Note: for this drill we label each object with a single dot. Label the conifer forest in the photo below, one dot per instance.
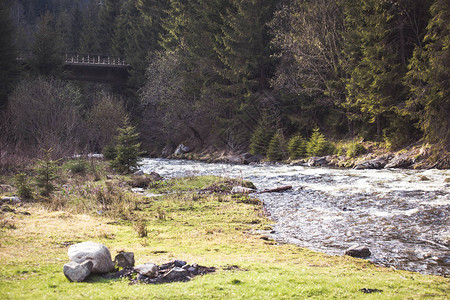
(235, 75)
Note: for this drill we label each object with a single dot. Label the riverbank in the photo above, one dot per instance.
(374, 156)
(193, 219)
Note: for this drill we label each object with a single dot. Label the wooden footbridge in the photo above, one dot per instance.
(96, 68)
(92, 68)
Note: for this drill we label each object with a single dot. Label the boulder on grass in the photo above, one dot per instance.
(176, 273)
(78, 272)
(149, 270)
(124, 260)
(95, 252)
(358, 251)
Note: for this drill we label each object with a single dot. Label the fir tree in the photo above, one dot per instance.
(108, 13)
(428, 78)
(46, 57)
(8, 63)
(127, 149)
(297, 146)
(89, 43)
(277, 148)
(46, 172)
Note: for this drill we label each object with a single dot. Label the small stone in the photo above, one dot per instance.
(176, 273)
(11, 200)
(179, 263)
(78, 272)
(124, 259)
(358, 251)
(149, 269)
(241, 190)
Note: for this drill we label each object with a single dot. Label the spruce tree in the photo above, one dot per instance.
(127, 149)
(428, 78)
(8, 64)
(89, 43)
(297, 147)
(108, 13)
(46, 57)
(277, 148)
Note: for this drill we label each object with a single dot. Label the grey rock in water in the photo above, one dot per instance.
(377, 163)
(125, 259)
(358, 251)
(78, 272)
(318, 161)
(149, 270)
(241, 190)
(176, 273)
(182, 149)
(139, 172)
(403, 160)
(248, 158)
(95, 252)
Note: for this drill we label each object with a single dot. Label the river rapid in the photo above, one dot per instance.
(403, 216)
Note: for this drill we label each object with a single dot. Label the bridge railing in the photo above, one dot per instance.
(86, 59)
(95, 60)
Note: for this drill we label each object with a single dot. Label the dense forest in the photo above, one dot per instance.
(238, 75)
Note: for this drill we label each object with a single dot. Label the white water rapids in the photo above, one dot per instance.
(403, 216)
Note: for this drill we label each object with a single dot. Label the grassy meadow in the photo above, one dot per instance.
(195, 220)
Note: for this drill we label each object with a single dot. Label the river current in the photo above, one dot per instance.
(403, 216)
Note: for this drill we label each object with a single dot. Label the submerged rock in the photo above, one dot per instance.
(95, 252)
(78, 272)
(358, 251)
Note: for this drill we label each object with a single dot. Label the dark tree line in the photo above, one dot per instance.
(223, 73)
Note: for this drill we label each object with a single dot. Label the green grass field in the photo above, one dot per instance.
(213, 230)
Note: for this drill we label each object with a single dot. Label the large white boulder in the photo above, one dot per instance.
(95, 252)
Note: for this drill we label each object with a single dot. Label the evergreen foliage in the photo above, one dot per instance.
(261, 138)
(46, 57)
(318, 145)
(8, 64)
(23, 186)
(355, 149)
(297, 147)
(46, 173)
(127, 149)
(277, 148)
(428, 78)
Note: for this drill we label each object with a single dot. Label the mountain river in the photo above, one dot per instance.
(403, 216)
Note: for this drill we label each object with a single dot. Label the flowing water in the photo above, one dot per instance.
(403, 216)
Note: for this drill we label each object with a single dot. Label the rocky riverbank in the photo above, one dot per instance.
(415, 157)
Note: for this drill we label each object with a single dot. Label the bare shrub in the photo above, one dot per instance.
(141, 228)
(107, 114)
(43, 115)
